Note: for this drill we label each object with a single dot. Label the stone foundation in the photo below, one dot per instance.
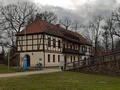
(107, 68)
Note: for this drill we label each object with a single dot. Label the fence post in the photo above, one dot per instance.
(103, 59)
(93, 62)
(88, 61)
(64, 67)
(73, 65)
(83, 62)
(114, 56)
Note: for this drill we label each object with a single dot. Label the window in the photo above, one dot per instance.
(48, 57)
(71, 46)
(76, 47)
(74, 58)
(53, 58)
(79, 47)
(89, 49)
(71, 36)
(83, 48)
(67, 45)
(54, 43)
(58, 43)
(71, 58)
(49, 42)
(58, 58)
(63, 45)
(78, 58)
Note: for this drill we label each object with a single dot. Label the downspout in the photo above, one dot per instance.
(44, 48)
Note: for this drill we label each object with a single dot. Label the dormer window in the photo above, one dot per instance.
(71, 36)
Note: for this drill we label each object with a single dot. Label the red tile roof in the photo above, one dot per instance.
(40, 26)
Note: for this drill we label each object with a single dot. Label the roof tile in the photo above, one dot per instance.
(40, 26)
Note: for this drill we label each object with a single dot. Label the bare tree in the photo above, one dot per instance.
(31, 18)
(85, 32)
(3, 40)
(76, 26)
(15, 17)
(94, 24)
(117, 45)
(111, 28)
(105, 35)
(65, 22)
(115, 17)
(47, 16)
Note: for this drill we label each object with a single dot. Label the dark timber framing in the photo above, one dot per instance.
(41, 39)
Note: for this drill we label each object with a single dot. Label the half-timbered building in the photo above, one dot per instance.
(45, 43)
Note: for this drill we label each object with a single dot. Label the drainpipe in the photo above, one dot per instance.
(44, 48)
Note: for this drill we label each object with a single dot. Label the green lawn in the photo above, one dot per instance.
(61, 81)
(4, 69)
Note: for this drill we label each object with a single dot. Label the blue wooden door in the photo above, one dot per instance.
(25, 62)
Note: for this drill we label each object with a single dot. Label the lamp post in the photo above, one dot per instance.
(9, 56)
(8, 59)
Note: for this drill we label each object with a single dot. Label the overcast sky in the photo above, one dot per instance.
(81, 10)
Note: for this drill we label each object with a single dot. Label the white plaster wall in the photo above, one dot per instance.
(35, 57)
(51, 63)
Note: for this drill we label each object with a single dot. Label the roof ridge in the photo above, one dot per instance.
(40, 26)
(57, 26)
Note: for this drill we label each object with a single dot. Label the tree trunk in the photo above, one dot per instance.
(112, 44)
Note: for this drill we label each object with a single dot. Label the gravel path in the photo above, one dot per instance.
(28, 73)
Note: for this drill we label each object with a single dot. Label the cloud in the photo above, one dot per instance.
(96, 7)
(14, 1)
(62, 12)
(85, 11)
(79, 10)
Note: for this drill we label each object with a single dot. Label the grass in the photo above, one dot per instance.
(4, 69)
(61, 81)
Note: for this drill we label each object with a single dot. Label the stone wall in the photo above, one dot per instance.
(106, 68)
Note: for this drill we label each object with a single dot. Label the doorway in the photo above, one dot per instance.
(28, 60)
